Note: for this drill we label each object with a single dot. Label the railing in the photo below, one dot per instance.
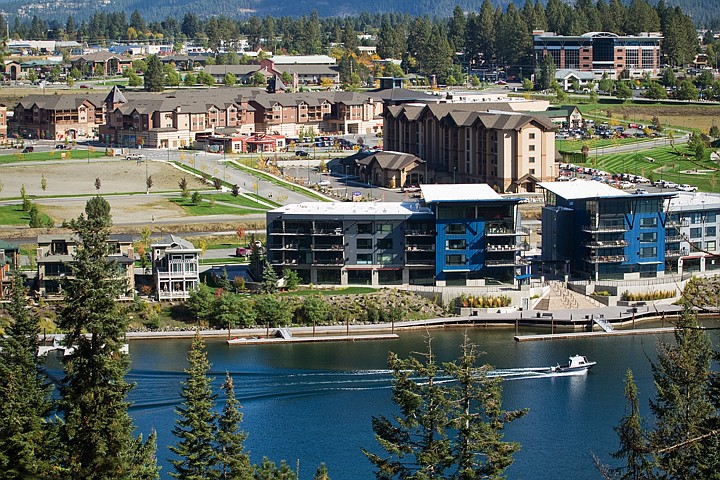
(493, 231)
(420, 262)
(675, 253)
(607, 244)
(335, 231)
(507, 263)
(420, 232)
(327, 247)
(503, 248)
(668, 278)
(420, 248)
(178, 275)
(280, 231)
(291, 246)
(604, 229)
(673, 239)
(283, 262)
(606, 259)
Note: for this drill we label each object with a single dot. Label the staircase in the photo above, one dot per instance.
(561, 298)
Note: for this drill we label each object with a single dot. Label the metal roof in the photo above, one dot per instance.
(465, 192)
(582, 189)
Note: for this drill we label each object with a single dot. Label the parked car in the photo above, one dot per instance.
(411, 188)
(28, 149)
(135, 156)
(61, 146)
(323, 183)
(684, 187)
(301, 153)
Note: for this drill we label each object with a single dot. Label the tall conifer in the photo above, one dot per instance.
(233, 459)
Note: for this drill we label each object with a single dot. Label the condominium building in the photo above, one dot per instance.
(458, 235)
(58, 117)
(599, 232)
(601, 52)
(463, 143)
(175, 266)
(691, 233)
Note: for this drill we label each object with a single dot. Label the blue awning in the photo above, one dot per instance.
(522, 277)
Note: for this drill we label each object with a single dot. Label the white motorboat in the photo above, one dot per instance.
(578, 364)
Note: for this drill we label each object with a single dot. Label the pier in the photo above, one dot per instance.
(316, 339)
(575, 335)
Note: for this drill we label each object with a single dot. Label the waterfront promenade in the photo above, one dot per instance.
(575, 319)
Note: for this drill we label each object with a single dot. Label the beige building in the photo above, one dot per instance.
(462, 143)
(56, 254)
(58, 117)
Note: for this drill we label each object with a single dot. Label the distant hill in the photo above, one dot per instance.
(702, 11)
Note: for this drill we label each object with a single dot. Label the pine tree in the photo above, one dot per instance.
(196, 429)
(97, 431)
(269, 471)
(416, 441)
(155, 75)
(633, 442)
(270, 279)
(478, 419)
(234, 461)
(683, 405)
(321, 473)
(27, 439)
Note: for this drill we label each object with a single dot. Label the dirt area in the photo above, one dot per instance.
(116, 176)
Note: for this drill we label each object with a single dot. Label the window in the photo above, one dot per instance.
(455, 229)
(648, 222)
(384, 228)
(710, 231)
(364, 228)
(455, 244)
(364, 243)
(648, 236)
(385, 243)
(531, 148)
(648, 252)
(531, 159)
(696, 232)
(364, 258)
(531, 136)
(710, 217)
(455, 259)
(532, 171)
(710, 246)
(385, 258)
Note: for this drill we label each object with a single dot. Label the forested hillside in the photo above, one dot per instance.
(703, 12)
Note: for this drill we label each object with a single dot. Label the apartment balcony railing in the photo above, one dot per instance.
(604, 228)
(501, 231)
(288, 231)
(503, 248)
(334, 231)
(177, 275)
(606, 259)
(675, 253)
(673, 239)
(510, 262)
(327, 247)
(420, 248)
(607, 244)
(287, 246)
(420, 233)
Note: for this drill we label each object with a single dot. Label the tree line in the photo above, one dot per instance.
(446, 47)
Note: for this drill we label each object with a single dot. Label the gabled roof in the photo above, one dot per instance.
(392, 160)
(173, 242)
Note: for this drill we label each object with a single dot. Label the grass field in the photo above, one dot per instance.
(243, 201)
(339, 291)
(281, 183)
(205, 208)
(576, 145)
(14, 215)
(663, 163)
(693, 117)
(51, 155)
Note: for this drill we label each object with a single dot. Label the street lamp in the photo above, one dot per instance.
(454, 174)
(346, 181)
(147, 185)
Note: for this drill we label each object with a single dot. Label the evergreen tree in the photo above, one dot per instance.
(270, 279)
(416, 441)
(479, 420)
(321, 473)
(269, 471)
(233, 460)
(196, 429)
(633, 443)
(28, 445)
(154, 75)
(456, 30)
(683, 405)
(97, 430)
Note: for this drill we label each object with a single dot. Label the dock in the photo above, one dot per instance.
(316, 339)
(572, 335)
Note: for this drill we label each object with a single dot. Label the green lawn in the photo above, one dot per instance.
(663, 163)
(339, 291)
(576, 145)
(14, 215)
(205, 209)
(224, 261)
(51, 155)
(281, 183)
(243, 201)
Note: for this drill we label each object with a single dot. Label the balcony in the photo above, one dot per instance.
(331, 232)
(281, 261)
(606, 259)
(607, 244)
(288, 231)
(420, 262)
(673, 239)
(675, 253)
(420, 248)
(327, 247)
(503, 248)
(509, 262)
(604, 229)
(504, 231)
(287, 246)
(327, 262)
(420, 233)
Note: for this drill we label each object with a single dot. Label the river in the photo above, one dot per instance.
(312, 403)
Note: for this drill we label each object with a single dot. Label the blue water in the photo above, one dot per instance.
(313, 403)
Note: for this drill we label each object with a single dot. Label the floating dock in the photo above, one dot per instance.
(613, 333)
(316, 339)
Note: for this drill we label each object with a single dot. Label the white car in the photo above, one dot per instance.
(686, 188)
(626, 185)
(323, 183)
